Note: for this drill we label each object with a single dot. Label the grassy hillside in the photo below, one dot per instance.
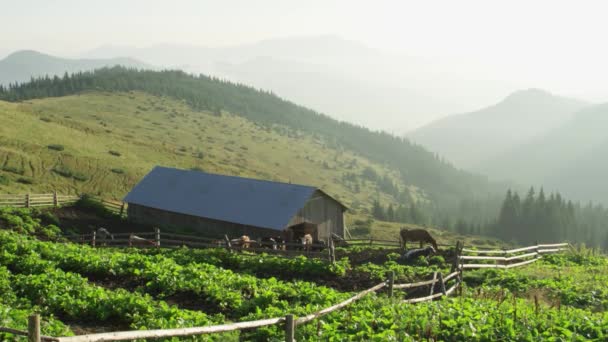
(416, 166)
(103, 143)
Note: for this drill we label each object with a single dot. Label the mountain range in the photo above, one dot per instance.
(346, 79)
(532, 137)
(21, 66)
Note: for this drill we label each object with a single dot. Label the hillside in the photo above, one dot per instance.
(569, 158)
(108, 141)
(471, 139)
(21, 66)
(412, 165)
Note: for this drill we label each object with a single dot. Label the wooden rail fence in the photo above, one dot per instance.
(37, 200)
(173, 240)
(530, 254)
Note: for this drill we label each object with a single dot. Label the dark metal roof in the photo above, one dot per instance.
(245, 201)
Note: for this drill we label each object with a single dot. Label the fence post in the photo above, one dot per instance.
(290, 328)
(391, 282)
(456, 257)
(27, 200)
(94, 238)
(433, 284)
(55, 200)
(122, 209)
(33, 328)
(157, 236)
(332, 251)
(442, 283)
(228, 246)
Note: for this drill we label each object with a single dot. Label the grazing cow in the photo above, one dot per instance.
(268, 242)
(414, 254)
(135, 240)
(420, 235)
(102, 235)
(294, 234)
(243, 242)
(307, 242)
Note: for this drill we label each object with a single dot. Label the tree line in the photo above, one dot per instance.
(541, 217)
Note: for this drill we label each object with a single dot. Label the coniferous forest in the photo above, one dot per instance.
(541, 217)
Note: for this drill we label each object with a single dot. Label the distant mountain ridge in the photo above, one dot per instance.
(22, 65)
(347, 79)
(469, 140)
(571, 157)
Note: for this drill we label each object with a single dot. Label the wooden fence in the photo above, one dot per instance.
(379, 242)
(172, 240)
(523, 256)
(289, 322)
(117, 207)
(37, 200)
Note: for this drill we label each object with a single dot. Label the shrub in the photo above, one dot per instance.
(49, 218)
(56, 147)
(89, 203)
(63, 171)
(45, 119)
(422, 261)
(114, 153)
(4, 180)
(13, 169)
(25, 180)
(80, 177)
(118, 171)
(437, 260)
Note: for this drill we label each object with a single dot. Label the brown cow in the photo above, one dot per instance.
(420, 235)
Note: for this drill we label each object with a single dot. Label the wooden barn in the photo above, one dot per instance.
(215, 205)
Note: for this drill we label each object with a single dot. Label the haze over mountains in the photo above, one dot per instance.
(342, 78)
(469, 140)
(529, 137)
(20, 66)
(533, 138)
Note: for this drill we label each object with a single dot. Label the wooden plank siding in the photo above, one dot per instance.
(208, 227)
(320, 209)
(323, 210)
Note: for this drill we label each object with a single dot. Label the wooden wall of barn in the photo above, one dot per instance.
(325, 211)
(206, 227)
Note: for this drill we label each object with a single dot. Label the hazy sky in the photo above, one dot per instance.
(556, 45)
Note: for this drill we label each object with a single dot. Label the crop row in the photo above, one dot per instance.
(501, 318)
(14, 311)
(569, 279)
(220, 290)
(54, 292)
